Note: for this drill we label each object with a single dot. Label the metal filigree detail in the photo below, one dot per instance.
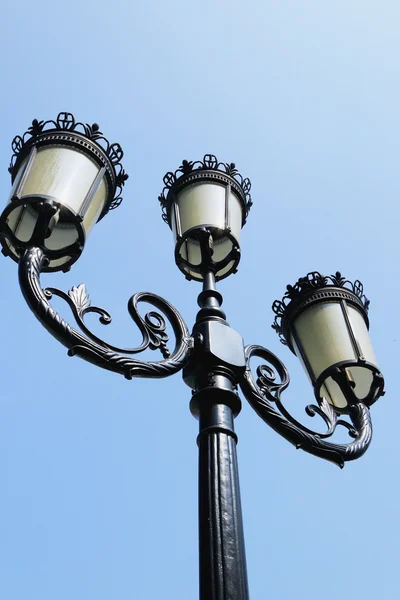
(89, 346)
(263, 395)
(209, 163)
(65, 123)
(305, 287)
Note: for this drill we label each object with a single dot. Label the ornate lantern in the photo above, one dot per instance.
(324, 321)
(212, 196)
(66, 176)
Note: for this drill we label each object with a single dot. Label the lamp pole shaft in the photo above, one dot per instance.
(223, 573)
(212, 372)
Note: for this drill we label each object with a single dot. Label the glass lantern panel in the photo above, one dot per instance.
(332, 392)
(63, 235)
(96, 206)
(222, 272)
(221, 248)
(322, 332)
(59, 262)
(361, 334)
(22, 222)
(362, 378)
(200, 204)
(203, 204)
(65, 174)
(190, 251)
(18, 178)
(235, 216)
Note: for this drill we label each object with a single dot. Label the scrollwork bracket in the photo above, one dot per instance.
(263, 395)
(86, 344)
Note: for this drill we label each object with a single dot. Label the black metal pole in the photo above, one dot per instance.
(223, 574)
(212, 372)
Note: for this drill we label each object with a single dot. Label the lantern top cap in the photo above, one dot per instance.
(313, 288)
(66, 130)
(211, 170)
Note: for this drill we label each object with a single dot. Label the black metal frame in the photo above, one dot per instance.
(215, 363)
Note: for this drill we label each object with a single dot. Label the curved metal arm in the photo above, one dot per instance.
(89, 346)
(264, 393)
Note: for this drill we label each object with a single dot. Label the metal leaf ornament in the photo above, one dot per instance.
(186, 167)
(231, 169)
(80, 298)
(36, 128)
(338, 279)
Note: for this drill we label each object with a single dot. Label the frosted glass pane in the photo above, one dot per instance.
(204, 204)
(235, 216)
(59, 262)
(361, 334)
(223, 272)
(190, 251)
(322, 331)
(332, 392)
(63, 235)
(222, 247)
(63, 173)
(18, 178)
(67, 175)
(96, 206)
(22, 222)
(363, 379)
(323, 334)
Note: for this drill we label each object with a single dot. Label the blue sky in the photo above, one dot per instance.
(99, 475)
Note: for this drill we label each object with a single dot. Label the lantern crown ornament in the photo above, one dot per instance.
(66, 176)
(206, 195)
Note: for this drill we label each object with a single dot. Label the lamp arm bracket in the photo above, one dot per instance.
(263, 395)
(90, 347)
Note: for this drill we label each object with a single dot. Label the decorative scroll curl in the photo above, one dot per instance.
(263, 395)
(89, 346)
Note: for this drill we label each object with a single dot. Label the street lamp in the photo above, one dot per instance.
(66, 176)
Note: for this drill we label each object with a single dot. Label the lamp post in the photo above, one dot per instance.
(66, 176)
